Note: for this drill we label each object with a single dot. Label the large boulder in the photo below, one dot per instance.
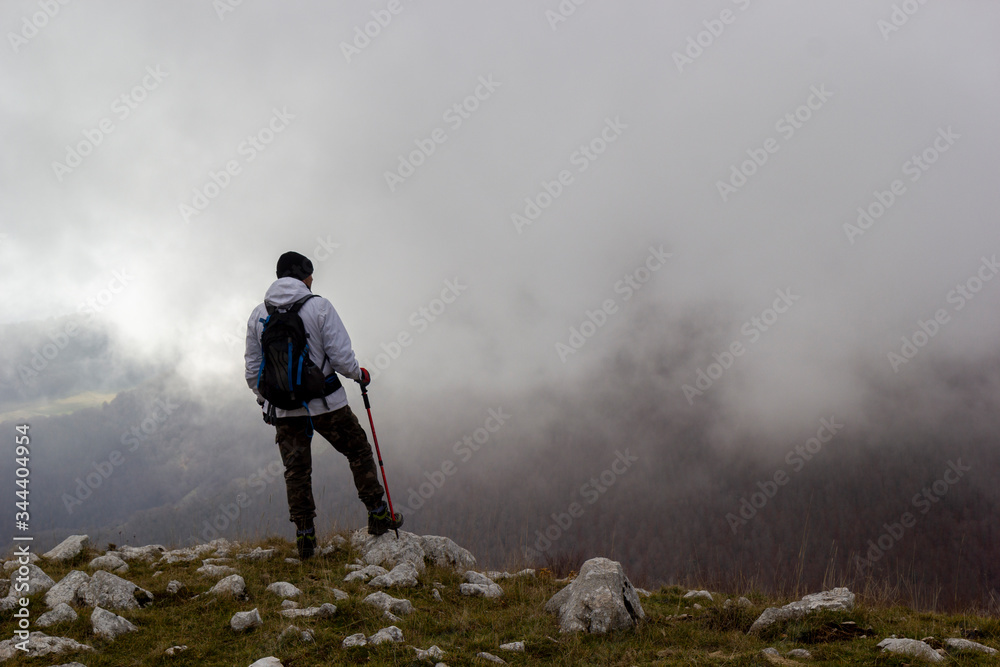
(838, 599)
(68, 549)
(69, 590)
(40, 644)
(599, 600)
(113, 592)
(110, 626)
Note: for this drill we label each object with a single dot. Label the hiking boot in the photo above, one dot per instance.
(305, 540)
(379, 520)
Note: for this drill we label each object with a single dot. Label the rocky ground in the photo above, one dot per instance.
(422, 600)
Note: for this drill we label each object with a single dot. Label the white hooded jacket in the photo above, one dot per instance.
(322, 323)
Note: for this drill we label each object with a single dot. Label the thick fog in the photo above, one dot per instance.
(632, 221)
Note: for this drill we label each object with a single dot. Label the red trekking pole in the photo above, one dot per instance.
(368, 407)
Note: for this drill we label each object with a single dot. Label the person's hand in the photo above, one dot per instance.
(366, 379)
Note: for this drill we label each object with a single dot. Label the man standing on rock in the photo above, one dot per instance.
(329, 349)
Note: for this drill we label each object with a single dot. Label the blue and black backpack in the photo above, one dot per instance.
(288, 378)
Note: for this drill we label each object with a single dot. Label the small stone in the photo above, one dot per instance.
(325, 611)
(175, 650)
(174, 587)
(245, 620)
(800, 653)
(366, 573)
(698, 595)
(215, 571)
(491, 658)
(293, 561)
(109, 626)
(480, 590)
(403, 575)
(436, 595)
(698, 606)
(389, 634)
(232, 585)
(289, 604)
(338, 594)
(110, 562)
(284, 589)
(433, 653)
(270, 661)
(743, 602)
(358, 639)
(389, 604)
(771, 651)
(517, 647)
(956, 644)
(257, 554)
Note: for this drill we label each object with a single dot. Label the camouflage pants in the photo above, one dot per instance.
(342, 430)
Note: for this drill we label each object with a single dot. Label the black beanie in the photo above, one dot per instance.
(294, 265)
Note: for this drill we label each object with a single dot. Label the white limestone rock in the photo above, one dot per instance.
(698, 595)
(358, 639)
(109, 562)
(326, 610)
(40, 644)
(258, 554)
(108, 625)
(269, 661)
(959, 645)
(389, 634)
(913, 648)
(70, 590)
(62, 613)
(599, 600)
(284, 589)
(516, 647)
(112, 592)
(232, 585)
(242, 621)
(68, 549)
(366, 573)
(403, 575)
(38, 581)
(387, 603)
(838, 599)
(215, 571)
(433, 653)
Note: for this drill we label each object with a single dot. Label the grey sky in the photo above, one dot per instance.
(321, 182)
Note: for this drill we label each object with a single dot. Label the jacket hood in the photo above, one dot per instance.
(285, 291)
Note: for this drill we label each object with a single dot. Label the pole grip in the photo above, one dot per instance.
(364, 395)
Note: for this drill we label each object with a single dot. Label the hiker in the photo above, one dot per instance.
(328, 349)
